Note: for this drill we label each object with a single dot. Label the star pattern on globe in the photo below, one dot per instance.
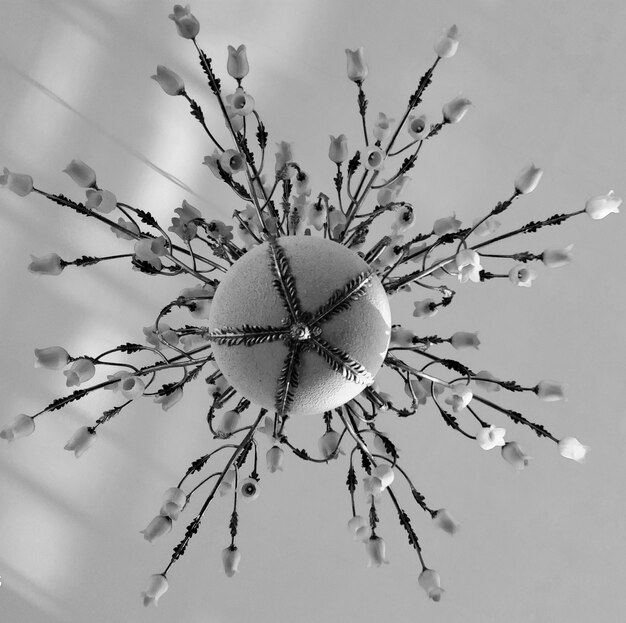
(300, 330)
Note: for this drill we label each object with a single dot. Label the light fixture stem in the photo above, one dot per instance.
(359, 441)
(238, 450)
(419, 274)
(356, 202)
(229, 125)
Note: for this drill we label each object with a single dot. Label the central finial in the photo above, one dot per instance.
(300, 331)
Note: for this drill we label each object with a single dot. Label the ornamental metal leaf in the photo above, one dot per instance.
(341, 362)
(247, 335)
(108, 414)
(192, 529)
(130, 347)
(205, 63)
(353, 165)
(389, 446)
(86, 260)
(405, 522)
(59, 403)
(518, 418)
(301, 453)
(233, 524)
(196, 111)
(373, 517)
(145, 267)
(351, 480)
(64, 201)
(236, 186)
(243, 456)
(197, 465)
(366, 463)
(407, 164)
(341, 299)
(284, 281)
(289, 379)
(147, 218)
(245, 150)
(419, 498)
(261, 135)
(449, 419)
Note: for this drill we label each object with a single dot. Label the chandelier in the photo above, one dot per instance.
(292, 314)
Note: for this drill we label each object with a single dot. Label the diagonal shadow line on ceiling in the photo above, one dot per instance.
(59, 100)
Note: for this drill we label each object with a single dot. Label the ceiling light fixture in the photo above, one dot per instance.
(295, 311)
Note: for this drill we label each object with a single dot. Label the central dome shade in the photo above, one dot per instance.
(300, 325)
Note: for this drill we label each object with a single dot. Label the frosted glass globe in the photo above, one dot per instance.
(249, 296)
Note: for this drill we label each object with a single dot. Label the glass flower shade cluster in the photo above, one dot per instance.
(291, 314)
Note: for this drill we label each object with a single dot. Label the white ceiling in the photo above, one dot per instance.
(546, 79)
